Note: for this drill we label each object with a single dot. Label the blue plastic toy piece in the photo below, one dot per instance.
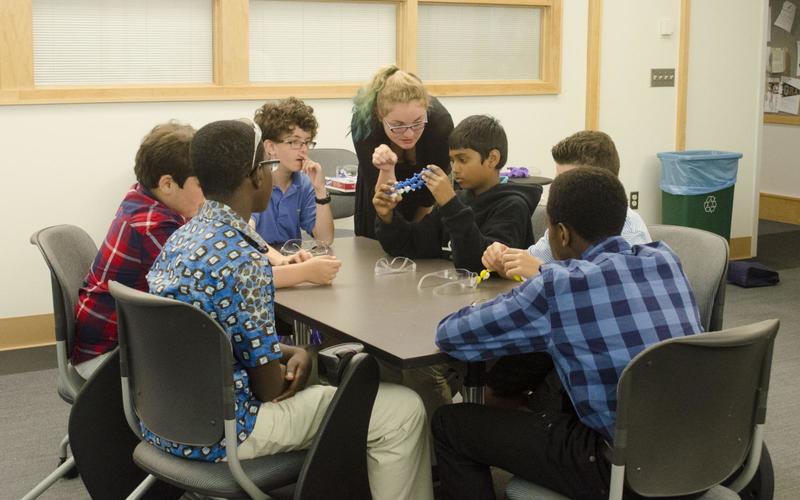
(411, 184)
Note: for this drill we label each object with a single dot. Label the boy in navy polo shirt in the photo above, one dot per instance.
(299, 198)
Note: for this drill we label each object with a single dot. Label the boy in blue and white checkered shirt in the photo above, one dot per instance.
(587, 148)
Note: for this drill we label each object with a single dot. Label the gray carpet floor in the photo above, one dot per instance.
(34, 418)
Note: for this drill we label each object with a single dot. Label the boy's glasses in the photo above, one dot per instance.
(402, 129)
(299, 144)
(256, 142)
(272, 164)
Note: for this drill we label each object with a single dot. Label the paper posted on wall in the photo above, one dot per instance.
(772, 100)
(778, 57)
(786, 17)
(797, 63)
(790, 95)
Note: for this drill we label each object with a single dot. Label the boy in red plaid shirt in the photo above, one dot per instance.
(166, 194)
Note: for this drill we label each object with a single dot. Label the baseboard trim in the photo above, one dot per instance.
(27, 331)
(779, 208)
(740, 248)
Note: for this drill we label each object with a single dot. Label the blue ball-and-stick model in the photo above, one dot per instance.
(411, 184)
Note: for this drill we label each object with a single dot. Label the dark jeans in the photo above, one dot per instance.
(550, 448)
(548, 445)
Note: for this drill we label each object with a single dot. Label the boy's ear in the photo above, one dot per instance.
(269, 148)
(493, 158)
(565, 234)
(166, 183)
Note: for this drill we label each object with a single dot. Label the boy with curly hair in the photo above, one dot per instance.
(299, 198)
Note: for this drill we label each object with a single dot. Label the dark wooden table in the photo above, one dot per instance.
(395, 321)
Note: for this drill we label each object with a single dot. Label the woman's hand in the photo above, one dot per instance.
(384, 158)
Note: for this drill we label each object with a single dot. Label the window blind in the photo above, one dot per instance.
(84, 42)
(320, 41)
(476, 42)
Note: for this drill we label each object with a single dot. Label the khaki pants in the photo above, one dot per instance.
(398, 454)
(435, 384)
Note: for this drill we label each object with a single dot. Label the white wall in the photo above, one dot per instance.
(72, 163)
(725, 94)
(640, 118)
(780, 160)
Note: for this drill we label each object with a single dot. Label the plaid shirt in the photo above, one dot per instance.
(591, 315)
(634, 231)
(139, 229)
(218, 263)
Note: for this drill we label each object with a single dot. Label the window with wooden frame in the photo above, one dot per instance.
(263, 49)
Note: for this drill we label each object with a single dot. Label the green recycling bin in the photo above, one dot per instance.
(697, 189)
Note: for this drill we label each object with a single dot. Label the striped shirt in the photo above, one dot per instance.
(634, 231)
(140, 227)
(591, 315)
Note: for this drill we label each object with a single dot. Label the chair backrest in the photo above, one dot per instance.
(704, 257)
(179, 366)
(687, 408)
(332, 159)
(68, 252)
(338, 454)
(539, 221)
(96, 419)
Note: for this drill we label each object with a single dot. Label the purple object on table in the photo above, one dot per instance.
(516, 172)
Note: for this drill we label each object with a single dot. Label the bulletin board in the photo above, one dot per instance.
(780, 38)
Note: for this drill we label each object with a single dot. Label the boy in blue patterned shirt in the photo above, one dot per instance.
(218, 263)
(591, 311)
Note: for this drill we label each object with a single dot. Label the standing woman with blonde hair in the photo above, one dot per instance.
(398, 129)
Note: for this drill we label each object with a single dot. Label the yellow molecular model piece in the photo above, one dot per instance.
(486, 274)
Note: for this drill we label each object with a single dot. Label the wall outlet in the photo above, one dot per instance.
(662, 77)
(634, 200)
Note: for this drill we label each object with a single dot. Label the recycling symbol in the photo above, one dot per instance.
(710, 205)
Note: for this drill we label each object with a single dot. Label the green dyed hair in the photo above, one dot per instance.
(389, 86)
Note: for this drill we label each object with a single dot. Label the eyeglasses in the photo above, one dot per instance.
(401, 129)
(272, 164)
(256, 143)
(299, 144)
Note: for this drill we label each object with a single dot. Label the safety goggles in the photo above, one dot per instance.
(314, 247)
(395, 266)
(449, 282)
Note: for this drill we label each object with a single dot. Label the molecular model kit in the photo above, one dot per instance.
(411, 184)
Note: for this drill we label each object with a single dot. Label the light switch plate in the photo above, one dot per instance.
(662, 77)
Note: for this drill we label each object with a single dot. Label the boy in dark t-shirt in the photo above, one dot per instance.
(462, 225)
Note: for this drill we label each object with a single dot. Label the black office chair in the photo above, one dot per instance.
(101, 441)
(68, 252)
(690, 412)
(162, 343)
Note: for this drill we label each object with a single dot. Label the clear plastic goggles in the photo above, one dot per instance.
(314, 247)
(395, 266)
(449, 282)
